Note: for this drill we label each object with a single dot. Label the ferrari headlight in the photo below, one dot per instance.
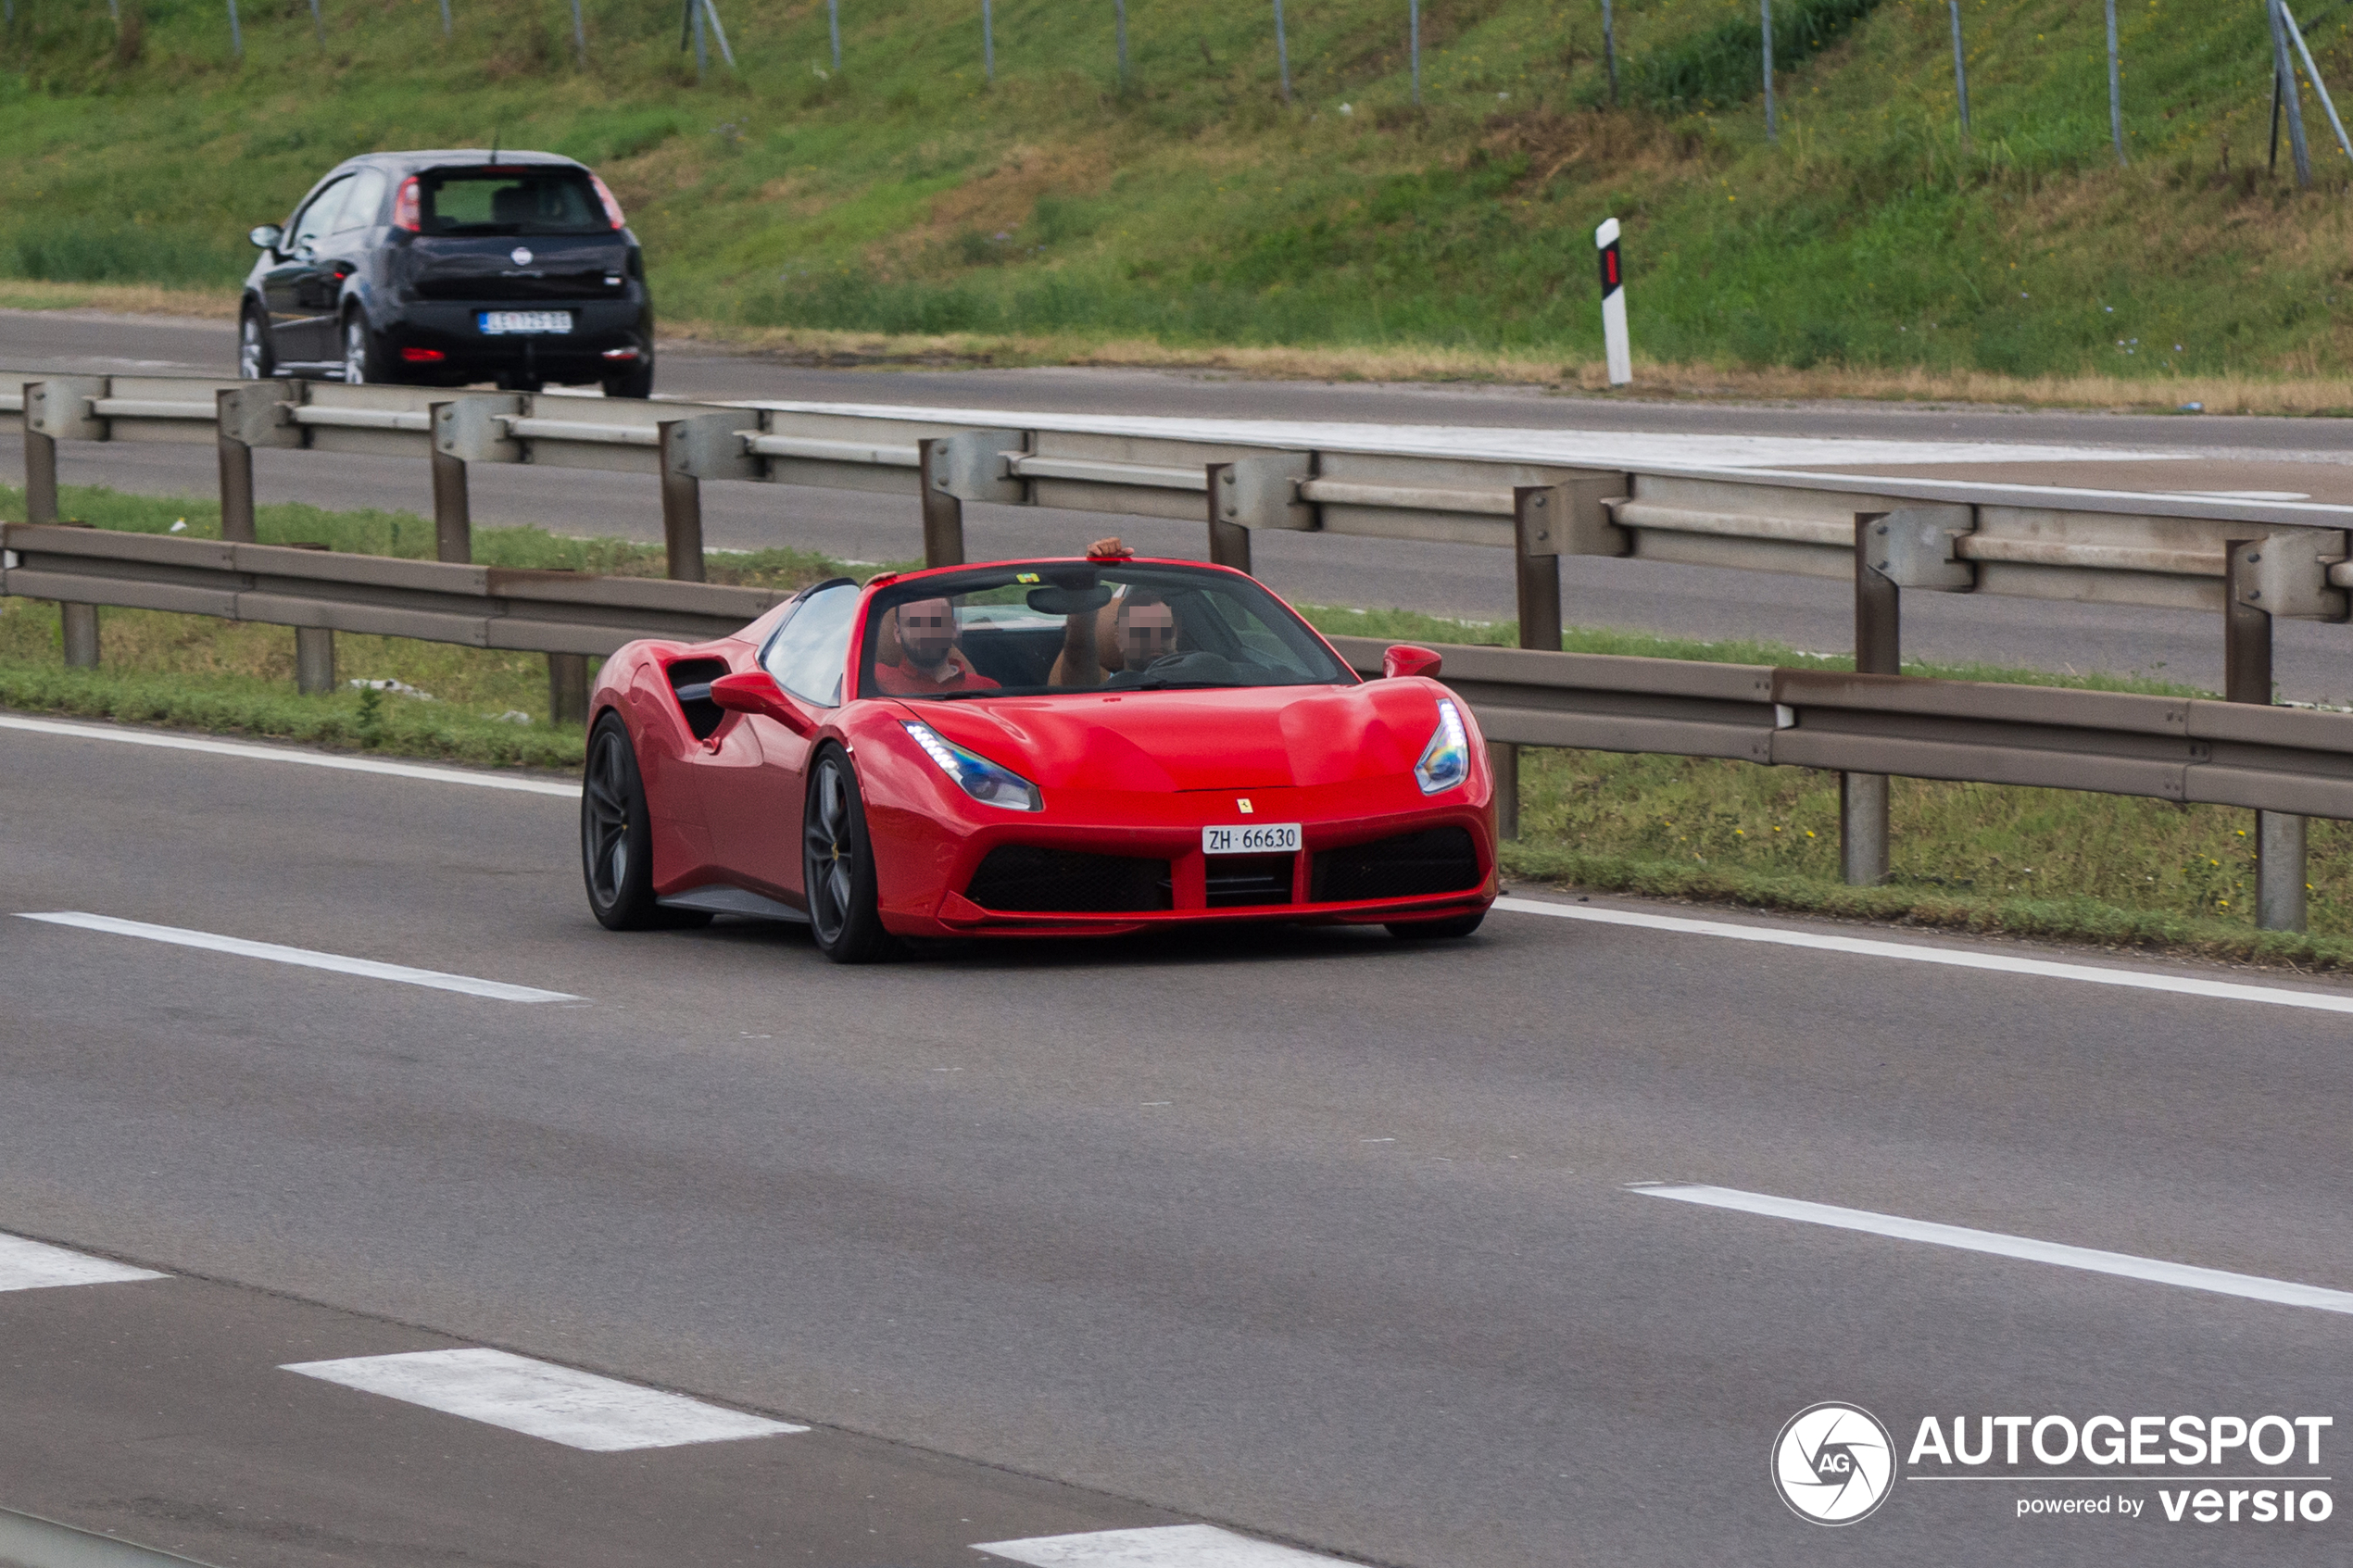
(977, 776)
(1446, 759)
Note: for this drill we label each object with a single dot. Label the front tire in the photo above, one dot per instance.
(256, 360)
(616, 837)
(838, 865)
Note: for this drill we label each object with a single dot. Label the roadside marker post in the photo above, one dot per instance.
(1621, 357)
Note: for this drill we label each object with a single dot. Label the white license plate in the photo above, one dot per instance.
(502, 323)
(1251, 838)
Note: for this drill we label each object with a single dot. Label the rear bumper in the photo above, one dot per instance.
(453, 327)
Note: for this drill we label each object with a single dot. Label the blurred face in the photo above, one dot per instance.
(1146, 632)
(926, 630)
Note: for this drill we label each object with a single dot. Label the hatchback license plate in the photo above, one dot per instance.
(508, 323)
(1251, 838)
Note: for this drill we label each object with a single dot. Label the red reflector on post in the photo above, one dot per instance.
(422, 356)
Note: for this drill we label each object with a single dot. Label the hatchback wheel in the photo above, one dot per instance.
(254, 361)
(360, 364)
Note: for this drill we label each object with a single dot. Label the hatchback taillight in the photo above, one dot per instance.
(405, 207)
(612, 208)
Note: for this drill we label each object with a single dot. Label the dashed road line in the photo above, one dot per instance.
(1159, 1546)
(2254, 1287)
(1957, 958)
(562, 1404)
(286, 754)
(467, 984)
(36, 1265)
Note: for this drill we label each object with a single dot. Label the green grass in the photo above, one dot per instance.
(1192, 207)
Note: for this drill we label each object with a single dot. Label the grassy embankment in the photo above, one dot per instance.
(903, 207)
(2033, 863)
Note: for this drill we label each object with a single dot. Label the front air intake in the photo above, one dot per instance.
(1439, 859)
(1031, 879)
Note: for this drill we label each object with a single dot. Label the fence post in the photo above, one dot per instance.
(445, 18)
(1414, 44)
(988, 43)
(236, 35)
(1609, 50)
(1119, 19)
(833, 27)
(1228, 540)
(79, 626)
(1282, 51)
(1773, 127)
(2115, 88)
(1960, 69)
(2280, 868)
(579, 34)
(1549, 521)
(40, 469)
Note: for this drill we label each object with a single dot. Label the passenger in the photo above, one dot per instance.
(929, 659)
(1125, 636)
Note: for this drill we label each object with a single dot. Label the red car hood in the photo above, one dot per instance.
(1261, 737)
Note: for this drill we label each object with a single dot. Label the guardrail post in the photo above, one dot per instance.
(55, 410)
(567, 689)
(2280, 869)
(453, 521)
(1862, 798)
(314, 650)
(695, 448)
(955, 469)
(257, 414)
(79, 626)
(1258, 491)
(680, 512)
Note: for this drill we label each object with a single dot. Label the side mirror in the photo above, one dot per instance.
(755, 691)
(1404, 659)
(267, 236)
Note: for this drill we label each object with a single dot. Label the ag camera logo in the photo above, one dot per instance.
(1834, 1464)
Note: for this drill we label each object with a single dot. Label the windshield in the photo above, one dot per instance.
(1051, 627)
(541, 200)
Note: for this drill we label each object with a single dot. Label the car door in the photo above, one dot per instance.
(293, 287)
(756, 780)
(342, 249)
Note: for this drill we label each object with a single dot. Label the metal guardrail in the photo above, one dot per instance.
(2169, 748)
(2253, 561)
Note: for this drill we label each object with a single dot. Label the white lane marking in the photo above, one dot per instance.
(36, 1265)
(1957, 958)
(1160, 1546)
(496, 990)
(2254, 1287)
(540, 1400)
(285, 754)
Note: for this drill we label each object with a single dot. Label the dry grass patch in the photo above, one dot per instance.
(121, 299)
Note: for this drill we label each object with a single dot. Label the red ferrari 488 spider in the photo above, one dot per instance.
(1068, 746)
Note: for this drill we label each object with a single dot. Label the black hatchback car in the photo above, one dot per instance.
(443, 268)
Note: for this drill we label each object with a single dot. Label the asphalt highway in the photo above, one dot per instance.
(2299, 458)
(1308, 1236)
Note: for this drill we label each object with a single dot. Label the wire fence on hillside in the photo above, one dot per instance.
(1729, 63)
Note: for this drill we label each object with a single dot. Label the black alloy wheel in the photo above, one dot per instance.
(616, 857)
(838, 865)
(255, 360)
(1427, 930)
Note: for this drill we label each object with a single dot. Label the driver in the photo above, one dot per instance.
(1123, 637)
(928, 659)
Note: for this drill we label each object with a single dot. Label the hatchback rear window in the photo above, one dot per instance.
(509, 201)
